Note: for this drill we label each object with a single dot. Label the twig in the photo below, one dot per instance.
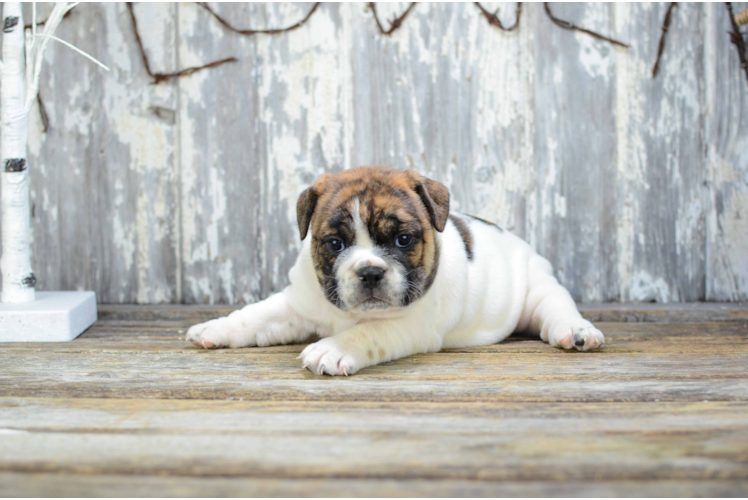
(76, 49)
(569, 26)
(42, 23)
(250, 32)
(737, 39)
(42, 108)
(43, 113)
(494, 20)
(661, 48)
(162, 77)
(395, 23)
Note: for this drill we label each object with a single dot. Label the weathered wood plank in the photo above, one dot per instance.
(660, 174)
(450, 96)
(203, 211)
(127, 416)
(705, 361)
(214, 105)
(103, 176)
(361, 443)
(629, 338)
(252, 136)
(574, 84)
(596, 312)
(184, 191)
(357, 441)
(661, 409)
(667, 313)
(85, 485)
(726, 135)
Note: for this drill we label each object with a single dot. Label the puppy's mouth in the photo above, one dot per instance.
(372, 304)
(374, 300)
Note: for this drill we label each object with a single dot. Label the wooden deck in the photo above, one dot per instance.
(131, 409)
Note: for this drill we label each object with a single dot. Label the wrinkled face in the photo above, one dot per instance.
(373, 233)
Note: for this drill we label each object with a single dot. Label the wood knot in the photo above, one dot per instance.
(742, 18)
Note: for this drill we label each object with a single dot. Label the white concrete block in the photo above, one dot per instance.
(52, 317)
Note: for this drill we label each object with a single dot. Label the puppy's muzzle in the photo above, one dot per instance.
(371, 277)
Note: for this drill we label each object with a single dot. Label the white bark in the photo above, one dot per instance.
(20, 77)
(18, 279)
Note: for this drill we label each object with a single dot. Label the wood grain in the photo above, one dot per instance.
(726, 128)
(85, 485)
(103, 177)
(572, 162)
(596, 312)
(645, 362)
(131, 409)
(183, 192)
(307, 440)
(661, 169)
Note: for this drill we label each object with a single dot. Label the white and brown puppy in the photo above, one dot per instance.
(385, 271)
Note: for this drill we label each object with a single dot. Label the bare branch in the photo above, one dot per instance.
(395, 23)
(570, 26)
(42, 23)
(250, 32)
(737, 39)
(43, 113)
(661, 48)
(162, 77)
(493, 19)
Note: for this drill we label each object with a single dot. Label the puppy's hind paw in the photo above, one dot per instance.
(580, 337)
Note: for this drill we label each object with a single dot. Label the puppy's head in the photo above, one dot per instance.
(373, 233)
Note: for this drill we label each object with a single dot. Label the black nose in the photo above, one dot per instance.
(371, 276)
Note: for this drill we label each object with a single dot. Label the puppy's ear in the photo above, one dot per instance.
(435, 197)
(307, 203)
(305, 208)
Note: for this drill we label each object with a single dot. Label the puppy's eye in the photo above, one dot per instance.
(404, 240)
(335, 245)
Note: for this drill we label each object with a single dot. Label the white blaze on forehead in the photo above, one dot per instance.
(364, 258)
(363, 240)
(363, 253)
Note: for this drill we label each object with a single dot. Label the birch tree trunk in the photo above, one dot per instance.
(18, 279)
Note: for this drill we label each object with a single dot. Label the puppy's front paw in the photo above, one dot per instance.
(582, 337)
(329, 357)
(212, 334)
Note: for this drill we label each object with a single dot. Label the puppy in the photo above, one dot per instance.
(385, 271)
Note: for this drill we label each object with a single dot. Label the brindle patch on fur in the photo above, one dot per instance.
(484, 221)
(465, 234)
(391, 203)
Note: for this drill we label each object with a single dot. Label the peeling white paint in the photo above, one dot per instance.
(226, 273)
(631, 153)
(446, 94)
(645, 288)
(595, 56)
(217, 197)
(559, 203)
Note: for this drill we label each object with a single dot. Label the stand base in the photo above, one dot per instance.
(52, 317)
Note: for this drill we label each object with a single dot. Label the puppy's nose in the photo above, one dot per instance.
(371, 276)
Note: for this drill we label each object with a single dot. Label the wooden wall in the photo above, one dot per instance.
(636, 189)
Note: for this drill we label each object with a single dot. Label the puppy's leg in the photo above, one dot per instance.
(270, 322)
(368, 344)
(550, 311)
